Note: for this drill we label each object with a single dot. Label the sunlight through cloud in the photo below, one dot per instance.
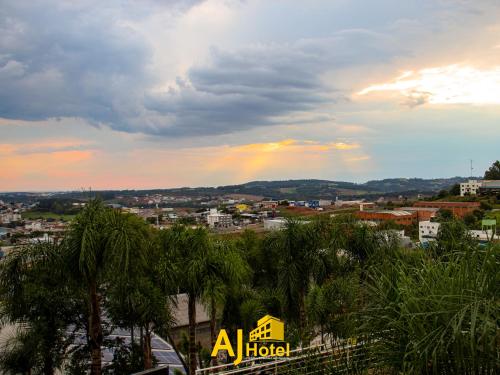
(453, 84)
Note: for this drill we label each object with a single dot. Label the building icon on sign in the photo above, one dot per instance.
(268, 328)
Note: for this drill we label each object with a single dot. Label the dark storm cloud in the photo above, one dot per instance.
(67, 62)
(251, 87)
(79, 60)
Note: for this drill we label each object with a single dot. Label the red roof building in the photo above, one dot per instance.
(423, 213)
(399, 217)
(459, 209)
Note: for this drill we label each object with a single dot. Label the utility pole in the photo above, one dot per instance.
(157, 217)
(471, 168)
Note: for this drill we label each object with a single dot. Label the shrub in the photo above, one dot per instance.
(438, 316)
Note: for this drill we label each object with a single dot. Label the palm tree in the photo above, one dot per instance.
(187, 250)
(225, 268)
(142, 299)
(18, 351)
(37, 300)
(330, 303)
(140, 302)
(204, 269)
(102, 242)
(301, 259)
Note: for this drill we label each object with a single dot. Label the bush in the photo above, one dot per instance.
(436, 317)
(486, 206)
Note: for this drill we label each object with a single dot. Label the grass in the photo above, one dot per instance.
(32, 215)
(438, 316)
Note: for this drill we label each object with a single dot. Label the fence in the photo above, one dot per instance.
(340, 358)
(154, 371)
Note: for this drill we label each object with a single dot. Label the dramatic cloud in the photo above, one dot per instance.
(73, 61)
(78, 59)
(127, 93)
(64, 61)
(257, 86)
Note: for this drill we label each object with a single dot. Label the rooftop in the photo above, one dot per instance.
(161, 349)
(433, 209)
(389, 212)
(491, 184)
(446, 204)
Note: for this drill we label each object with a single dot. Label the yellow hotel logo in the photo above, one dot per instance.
(268, 328)
(269, 331)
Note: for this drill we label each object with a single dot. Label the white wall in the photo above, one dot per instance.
(469, 188)
(427, 230)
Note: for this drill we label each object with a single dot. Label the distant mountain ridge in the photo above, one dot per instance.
(314, 188)
(289, 189)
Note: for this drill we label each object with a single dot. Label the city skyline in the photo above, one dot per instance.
(207, 93)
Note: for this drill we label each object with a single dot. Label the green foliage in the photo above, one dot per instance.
(329, 306)
(126, 359)
(361, 241)
(486, 206)
(436, 317)
(37, 297)
(188, 220)
(452, 236)
(103, 241)
(37, 214)
(443, 194)
(329, 276)
(78, 360)
(470, 220)
(59, 206)
(201, 265)
(299, 260)
(444, 215)
(204, 268)
(455, 190)
(19, 351)
(493, 173)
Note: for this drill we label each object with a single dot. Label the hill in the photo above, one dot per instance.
(286, 189)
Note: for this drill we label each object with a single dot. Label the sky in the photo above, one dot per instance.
(135, 94)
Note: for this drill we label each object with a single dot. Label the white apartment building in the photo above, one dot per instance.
(427, 231)
(10, 217)
(217, 219)
(34, 226)
(470, 188)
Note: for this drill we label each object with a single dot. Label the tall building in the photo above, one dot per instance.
(470, 188)
(217, 219)
(427, 231)
(474, 187)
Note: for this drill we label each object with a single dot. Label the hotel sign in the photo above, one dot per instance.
(266, 340)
